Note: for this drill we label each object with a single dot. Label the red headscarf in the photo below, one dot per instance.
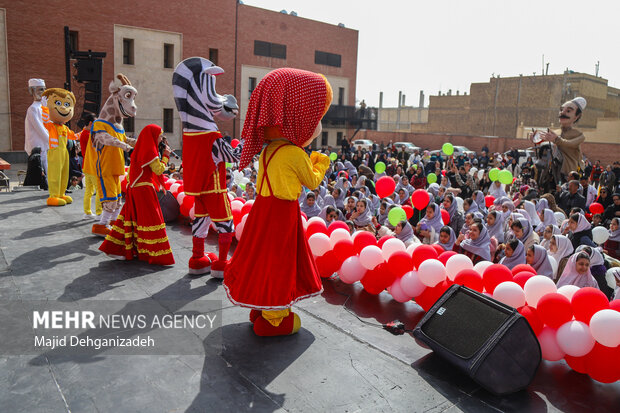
(144, 153)
(292, 100)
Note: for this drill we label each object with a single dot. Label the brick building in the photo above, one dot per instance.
(145, 39)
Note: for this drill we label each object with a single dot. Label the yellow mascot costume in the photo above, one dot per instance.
(60, 103)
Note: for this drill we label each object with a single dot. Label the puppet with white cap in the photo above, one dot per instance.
(35, 133)
(569, 139)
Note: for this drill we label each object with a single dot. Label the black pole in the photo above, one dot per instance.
(67, 59)
(234, 134)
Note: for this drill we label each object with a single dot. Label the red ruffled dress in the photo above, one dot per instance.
(140, 231)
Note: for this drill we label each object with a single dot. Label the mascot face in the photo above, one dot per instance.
(61, 104)
(125, 101)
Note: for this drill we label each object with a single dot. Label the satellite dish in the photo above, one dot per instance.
(340, 24)
(283, 11)
(293, 13)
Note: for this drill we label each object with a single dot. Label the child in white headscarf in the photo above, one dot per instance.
(361, 217)
(577, 272)
(537, 257)
(515, 254)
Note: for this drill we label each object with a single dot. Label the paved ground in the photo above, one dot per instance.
(340, 361)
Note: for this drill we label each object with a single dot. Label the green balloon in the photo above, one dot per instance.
(505, 177)
(447, 148)
(333, 156)
(431, 178)
(396, 215)
(229, 165)
(415, 166)
(379, 167)
(494, 174)
(242, 186)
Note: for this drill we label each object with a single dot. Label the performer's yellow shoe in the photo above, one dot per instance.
(67, 199)
(289, 325)
(53, 201)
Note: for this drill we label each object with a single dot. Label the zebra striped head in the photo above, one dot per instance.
(193, 85)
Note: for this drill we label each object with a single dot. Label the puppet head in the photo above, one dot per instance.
(193, 85)
(36, 87)
(60, 103)
(287, 103)
(121, 102)
(571, 111)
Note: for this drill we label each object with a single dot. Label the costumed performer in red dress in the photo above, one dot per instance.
(272, 267)
(139, 229)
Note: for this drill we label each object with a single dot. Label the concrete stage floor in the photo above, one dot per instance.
(340, 361)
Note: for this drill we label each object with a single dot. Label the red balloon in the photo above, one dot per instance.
(443, 172)
(239, 199)
(327, 264)
(438, 248)
(554, 310)
(383, 239)
(577, 363)
(522, 277)
(596, 208)
(494, 275)
(431, 294)
(615, 305)
(488, 200)
(603, 363)
(523, 267)
(399, 263)
(335, 225)
(344, 249)
(184, 210)
(363, 239)
(531, 315)
(180, 189)
(234, 143)
(423, 253)
(420, 199)
(168, 184)
(377, 279)
(408, 210)
(188, 201)
(469, 278)
(237, 216)
(445, 217)
(314, 227)
(385, 186)
(246, 207)
(443, 257)
(587, 301)
(303, 214)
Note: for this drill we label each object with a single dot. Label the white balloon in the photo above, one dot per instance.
(239, 230)
(304, 222)
(174, 187)
(456, 264)
(610, 277)
(398, 293)
(510, 293)
(180, 197)
(370, 256)
(411, 284)
(316, 219)
(172, 181)
(536, 287)
(600, 235)
(480, 173)
(192, 212)
(481, 266)
(351, 270)
(431, 272)
(245, 218)
(337, 235)
(559, 217)
(319, 244)
(236, 205)
(575, 339)
(412, 248)
(605, 327)
(391, 246)
(459, 203)
(568, 291)
(551, 351)
(554, 265)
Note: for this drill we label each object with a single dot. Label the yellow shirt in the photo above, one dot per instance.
(111, 160)
(289, 169)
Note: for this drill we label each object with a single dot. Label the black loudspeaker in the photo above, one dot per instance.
(488, 340)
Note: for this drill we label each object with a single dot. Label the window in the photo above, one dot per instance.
(129, 125)
(73, 40)
(269, 49)
(252, 85)
(168, 120)
(340, 96)
(213, 55)
(338, 138)
(324, 137)
(168, 55)
(329, 59)
(127, 51)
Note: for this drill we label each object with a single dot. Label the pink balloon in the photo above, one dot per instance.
(551, 351)
(411, 284)
(575, 339)
(351, 270)
(431, 272)
(371, 256)
(319, 244)
(239, 231)
(397, 292)
(510, 293)
(536, 287)
(456, 264)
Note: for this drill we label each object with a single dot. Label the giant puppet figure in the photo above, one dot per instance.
(108, 141)
(36, 133)
(60, 103)
(205, 154)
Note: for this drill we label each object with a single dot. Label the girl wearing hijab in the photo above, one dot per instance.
(597, 269)
(560, 248)
(329, 213)
(361, 217)
(548, 233)
(577, 272)
(515, 254)
(495, 225)
(404, 232)
(531, 211)
(541, 205)
(419, 179)
(350, 206)
(481, 202)
(548, 218)
(523, 231)
(447, 238)
(478, 246)
(456, 217)
(496, 190)
(35, 174)
(140, 230)
(580, 231)
(431, 224)
(403, 197)
(612, 245)
(537, 257)
(338, 196)
(310, 207)
(284, 112)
